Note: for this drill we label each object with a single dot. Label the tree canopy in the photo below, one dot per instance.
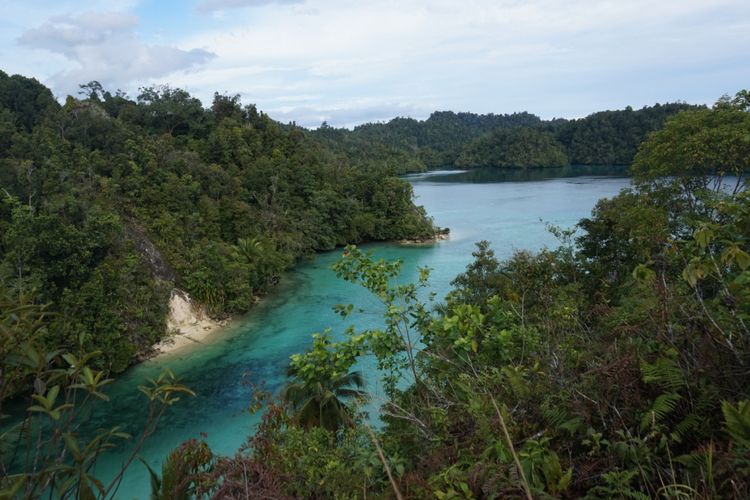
(107, 203)
(612, 366)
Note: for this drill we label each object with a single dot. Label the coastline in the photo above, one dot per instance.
(441, 234)
(187, 324)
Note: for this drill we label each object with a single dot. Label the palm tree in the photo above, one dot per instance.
(323, 404)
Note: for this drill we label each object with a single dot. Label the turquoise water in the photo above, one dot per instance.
(509, 209)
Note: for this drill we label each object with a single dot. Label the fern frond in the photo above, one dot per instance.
(662, 406)
(554, 415)
(665, 373)
(687, 424)
(737, 421)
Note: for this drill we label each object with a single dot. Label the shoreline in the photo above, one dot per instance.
(187, 335)
(441, 234)
(187, 325)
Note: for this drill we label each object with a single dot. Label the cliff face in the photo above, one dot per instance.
(187, 321)
(160, 270)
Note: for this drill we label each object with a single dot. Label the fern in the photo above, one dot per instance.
(702, 404)
(737, 421)
(687, 424)
(662, 406)
(664, 373)
(554, 415)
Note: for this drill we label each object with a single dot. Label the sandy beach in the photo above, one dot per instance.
(188, 324)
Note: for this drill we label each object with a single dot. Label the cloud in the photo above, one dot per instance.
(355, 61)
(347, 115)
(206, 6)
(551, 57)
(104, 46)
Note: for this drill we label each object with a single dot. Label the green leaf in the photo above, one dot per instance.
(52, 394)
(737, 421)
(703, 236)
(12, 491)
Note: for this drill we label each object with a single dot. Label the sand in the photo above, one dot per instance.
(188, 324)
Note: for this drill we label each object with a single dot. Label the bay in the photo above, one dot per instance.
(510, 208)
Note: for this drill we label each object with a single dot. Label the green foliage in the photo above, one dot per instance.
(108, 203)
(185, 472)
(448, 139)
(59, 458)
(324, 404)
(516, 147)
(595, 370)
(700, 146)
(737, 421)
(408, 145)
(613, 137)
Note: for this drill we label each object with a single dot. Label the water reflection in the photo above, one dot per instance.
(492, 175)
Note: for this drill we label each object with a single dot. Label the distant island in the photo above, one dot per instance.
(518, 140)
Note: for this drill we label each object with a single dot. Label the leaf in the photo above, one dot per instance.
(52, 394)
(155, 480)
(70, 359)
(662, 406)
(643, 273)
(694, 271)
(703, 236)
(737, 421)
(72, 445)
(12, 491)
(84, 490)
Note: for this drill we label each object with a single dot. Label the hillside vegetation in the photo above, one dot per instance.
(107, 203)
(468, 140)
(613, 366)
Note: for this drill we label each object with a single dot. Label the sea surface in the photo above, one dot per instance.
(510, 208)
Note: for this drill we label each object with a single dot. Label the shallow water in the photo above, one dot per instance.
(508, 208)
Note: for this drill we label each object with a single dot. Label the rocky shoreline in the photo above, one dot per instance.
(441, 234)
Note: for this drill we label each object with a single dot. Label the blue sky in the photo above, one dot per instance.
(348, 62)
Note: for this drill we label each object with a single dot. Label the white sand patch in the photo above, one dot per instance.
(187, 324)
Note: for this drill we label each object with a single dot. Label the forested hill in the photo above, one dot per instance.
(108, 202)
(467, 140)
(428, 144)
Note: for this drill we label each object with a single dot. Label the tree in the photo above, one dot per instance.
(324, 403)
(170, 110)
(56, 386)
(700, 147)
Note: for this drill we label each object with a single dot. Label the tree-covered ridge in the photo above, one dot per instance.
(427, 144)
(468, 140)
(109, 202)
(613, 137)
(516, 147)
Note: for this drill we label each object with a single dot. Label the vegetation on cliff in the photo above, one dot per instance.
(107, 203)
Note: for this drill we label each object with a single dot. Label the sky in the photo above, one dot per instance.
(350, 61)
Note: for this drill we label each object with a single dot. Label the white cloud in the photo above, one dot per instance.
(205, 6)
(347, 115)
(104, 46)
(551, 57)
